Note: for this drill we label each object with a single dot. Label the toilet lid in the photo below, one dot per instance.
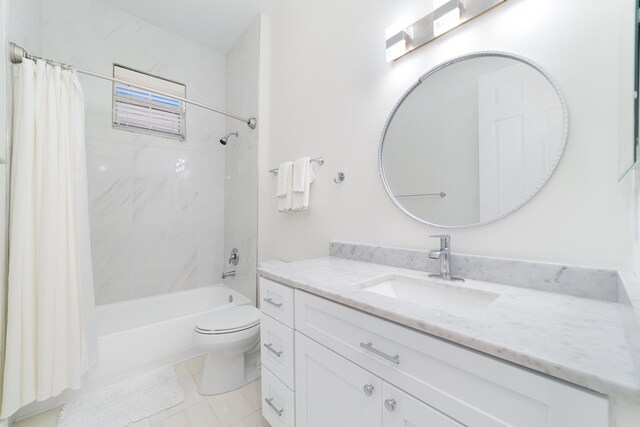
(229, 320)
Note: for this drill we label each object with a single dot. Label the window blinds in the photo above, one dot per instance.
(144, 111)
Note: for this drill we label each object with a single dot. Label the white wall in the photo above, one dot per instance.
(153, 229)
(241, 190)
(330, 91)
(24, 23)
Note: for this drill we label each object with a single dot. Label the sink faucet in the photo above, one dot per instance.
(444, 255)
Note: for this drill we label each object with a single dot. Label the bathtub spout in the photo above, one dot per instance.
(226, 274)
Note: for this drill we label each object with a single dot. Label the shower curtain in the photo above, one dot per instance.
(51, 341)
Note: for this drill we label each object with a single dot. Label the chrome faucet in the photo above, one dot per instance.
(444, 255)
(226, 274)
(234, 259)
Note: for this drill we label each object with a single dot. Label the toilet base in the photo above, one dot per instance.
(223, 372)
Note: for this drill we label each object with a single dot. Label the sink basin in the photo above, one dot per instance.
(432, 293)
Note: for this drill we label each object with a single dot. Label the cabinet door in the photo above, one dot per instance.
(331, 391)
(404, 410)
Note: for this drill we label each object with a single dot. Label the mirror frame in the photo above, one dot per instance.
(481, 54)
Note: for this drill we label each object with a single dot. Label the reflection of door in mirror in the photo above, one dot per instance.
(518, 123)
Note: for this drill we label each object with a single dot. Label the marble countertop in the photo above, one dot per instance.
(584, 341)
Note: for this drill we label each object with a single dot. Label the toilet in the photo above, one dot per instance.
(226, 336)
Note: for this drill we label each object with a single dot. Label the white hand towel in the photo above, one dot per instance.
(300, 174)
(301, 199)
(284, 179)
(285, 183)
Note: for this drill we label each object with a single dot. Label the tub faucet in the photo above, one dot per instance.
(444, 255)
(226, 274)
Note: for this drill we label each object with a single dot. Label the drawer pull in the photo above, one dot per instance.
(369, 347)
(368, 389)
(273, 407)
(390, 404)
(270, 348)
(273, 303)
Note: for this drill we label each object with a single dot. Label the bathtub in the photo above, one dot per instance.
(143, 334)
(138, 335)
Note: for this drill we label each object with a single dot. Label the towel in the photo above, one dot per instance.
(303, 176)
(285, 183)
(284, 179)
(300, 174)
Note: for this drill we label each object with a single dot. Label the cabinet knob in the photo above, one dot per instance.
(390, 404)
(368, 389)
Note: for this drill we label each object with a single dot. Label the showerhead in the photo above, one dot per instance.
(223, 140)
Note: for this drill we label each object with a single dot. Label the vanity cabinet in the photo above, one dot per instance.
(331, 391)
(355, 369)
(277, 344)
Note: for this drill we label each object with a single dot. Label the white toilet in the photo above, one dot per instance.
(226, 335)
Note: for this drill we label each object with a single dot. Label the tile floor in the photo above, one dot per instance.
(238, 408)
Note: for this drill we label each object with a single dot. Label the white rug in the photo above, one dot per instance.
(124, 403)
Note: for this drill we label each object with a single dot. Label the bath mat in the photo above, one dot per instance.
(124, 403)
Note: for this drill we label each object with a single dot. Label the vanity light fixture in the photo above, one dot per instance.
(398, 45)
(447, 15)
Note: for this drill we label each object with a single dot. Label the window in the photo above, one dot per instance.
(139, 110)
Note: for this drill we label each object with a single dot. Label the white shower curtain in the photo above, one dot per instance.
(51, 341)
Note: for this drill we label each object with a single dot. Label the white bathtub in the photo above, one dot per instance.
(142, 334)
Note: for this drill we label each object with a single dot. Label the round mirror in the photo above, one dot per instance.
(473, 140)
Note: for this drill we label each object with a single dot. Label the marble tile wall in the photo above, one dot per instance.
(241, 188)
(154, 228)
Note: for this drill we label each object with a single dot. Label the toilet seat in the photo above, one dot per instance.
(228, 321)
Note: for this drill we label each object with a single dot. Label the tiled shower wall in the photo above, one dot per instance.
(154, 229)
(241, 195)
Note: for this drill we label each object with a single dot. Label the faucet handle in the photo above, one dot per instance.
(444, 239)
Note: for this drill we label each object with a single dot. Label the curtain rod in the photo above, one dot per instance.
(17, 54)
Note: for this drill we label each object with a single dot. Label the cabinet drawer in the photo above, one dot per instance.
(277, 349)
(277, 401)
(277, 301)
(475, 389)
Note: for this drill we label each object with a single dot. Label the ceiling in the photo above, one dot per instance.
(214, 23)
